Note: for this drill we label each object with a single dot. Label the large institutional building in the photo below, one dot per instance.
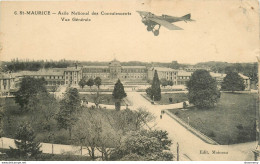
(109, 74)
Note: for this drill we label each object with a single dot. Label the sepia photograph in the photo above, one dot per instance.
(129, 80)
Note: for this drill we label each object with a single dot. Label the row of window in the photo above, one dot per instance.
(93, 70)
(50, 83)
(70, 73)
(133, 76)
(49, 77)
(184, 77)
(70, 82)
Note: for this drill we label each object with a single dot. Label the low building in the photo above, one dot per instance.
(164, 73)
(183, 77)
(52, 76)
(7, 84)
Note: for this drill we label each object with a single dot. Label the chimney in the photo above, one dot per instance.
(76, 65)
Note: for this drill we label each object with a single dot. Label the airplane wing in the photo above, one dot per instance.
(143, 13)
(166, 24)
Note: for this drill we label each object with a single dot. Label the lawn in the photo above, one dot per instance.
(105, 98)
(232, 120)
(176, 98)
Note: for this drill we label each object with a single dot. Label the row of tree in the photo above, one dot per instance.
(17, 65)
(202, 88)
(248, 69)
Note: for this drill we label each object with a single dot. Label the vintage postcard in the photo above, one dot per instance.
(129, 80)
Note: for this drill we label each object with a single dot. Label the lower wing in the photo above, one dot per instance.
(166, 24)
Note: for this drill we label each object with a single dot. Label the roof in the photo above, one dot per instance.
(5, 76)
(184, 73)
(73, 69)
(222, 75)
(41, 72)
(95, 67)
(243, 76)
(162, 69)
(134, 67)
(219, 75)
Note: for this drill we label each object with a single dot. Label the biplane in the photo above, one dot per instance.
(151, 21)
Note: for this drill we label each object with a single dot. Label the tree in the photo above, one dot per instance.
(164, 82)
(202, 88)
(97, 132)
(155, 89)
(143, 118)
(133, 120)
(233, 82)
(82, 82)
(27, 148)
(97, 81)
(118, 94)
(170, 83)
(90, 82)
(69, 107)
(29, 88)
(144, 145)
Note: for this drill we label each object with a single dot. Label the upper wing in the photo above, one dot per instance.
(166, 24)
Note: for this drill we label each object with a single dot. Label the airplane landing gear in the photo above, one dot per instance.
(156, 32)
(149, 28)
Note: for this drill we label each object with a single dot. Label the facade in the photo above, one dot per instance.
(164, 73)
(183, 77)
(72, 75)
(115, 71)
(53, 77)
(7, 84)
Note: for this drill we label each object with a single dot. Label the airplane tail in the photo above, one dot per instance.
(186, 18)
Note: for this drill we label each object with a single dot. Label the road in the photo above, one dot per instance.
(191, 146)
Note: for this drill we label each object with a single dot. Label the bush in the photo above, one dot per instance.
(170, 100)
(148, 91)
(212, 134)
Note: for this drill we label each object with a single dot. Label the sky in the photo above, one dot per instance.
(222, 31)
